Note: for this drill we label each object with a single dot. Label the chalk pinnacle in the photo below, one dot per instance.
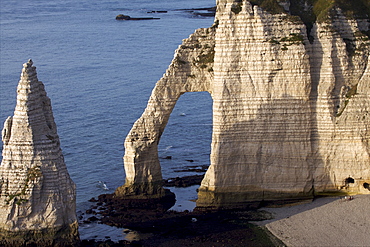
(37, 196)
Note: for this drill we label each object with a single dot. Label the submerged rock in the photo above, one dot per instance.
(183, 181)
(37, 195)
(290, 89)
(121, 17)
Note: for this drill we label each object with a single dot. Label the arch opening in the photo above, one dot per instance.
(185, 146)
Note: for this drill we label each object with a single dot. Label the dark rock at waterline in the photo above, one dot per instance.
(157, 11)
(121, 17)
(219, 228)
(121, 212)
(209, 9)
(202, 168)
(93, 200)
(106, 243)
(90, 211)
(183, 181)
(164, 227)
(92, 218)
(197, 14)
(201, 12)
(109, 201)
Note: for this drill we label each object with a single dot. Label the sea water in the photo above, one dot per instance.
(99, 74)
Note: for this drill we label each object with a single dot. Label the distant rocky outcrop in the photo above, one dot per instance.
(37, 195)
(122, 17)
(290, 84)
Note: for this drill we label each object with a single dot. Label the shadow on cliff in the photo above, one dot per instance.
(281, 126)
(273, 158)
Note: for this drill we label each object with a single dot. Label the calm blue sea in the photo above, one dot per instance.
(99, 74)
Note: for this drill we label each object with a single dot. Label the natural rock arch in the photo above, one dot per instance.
(278, 133)
(190, 71)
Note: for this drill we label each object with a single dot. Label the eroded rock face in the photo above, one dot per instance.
(37, 195)
(190, 71)
(290, 107)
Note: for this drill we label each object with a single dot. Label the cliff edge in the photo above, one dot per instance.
(291, 103)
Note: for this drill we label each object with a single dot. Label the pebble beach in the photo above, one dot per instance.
(322, 222)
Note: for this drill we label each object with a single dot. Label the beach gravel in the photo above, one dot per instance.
(322, 222)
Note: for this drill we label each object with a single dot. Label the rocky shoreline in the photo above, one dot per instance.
(171, 228)
(336, 220)
(159, 226)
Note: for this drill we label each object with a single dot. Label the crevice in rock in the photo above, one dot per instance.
(366, 186)
(349, 180)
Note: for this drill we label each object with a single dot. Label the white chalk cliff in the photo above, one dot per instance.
(291, 106)
(37, 195)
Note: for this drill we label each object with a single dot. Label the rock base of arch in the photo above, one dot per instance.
(145, 190)
(143, 195)
(214, 200)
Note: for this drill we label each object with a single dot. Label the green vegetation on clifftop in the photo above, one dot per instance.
(271, 6)
(311, 11)
(317, 9)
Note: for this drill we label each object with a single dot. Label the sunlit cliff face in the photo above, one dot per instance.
(290, 105)
(37, 196)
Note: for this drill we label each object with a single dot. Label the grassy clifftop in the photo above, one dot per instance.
(311, 11)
